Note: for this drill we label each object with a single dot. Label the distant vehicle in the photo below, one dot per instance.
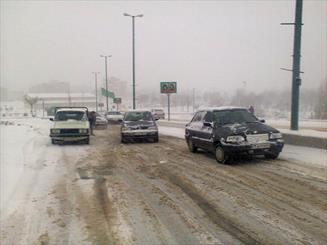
(114, 116)
(228, 131)
(101, 122)
(70, 124)
(158, 113)
(139, 125)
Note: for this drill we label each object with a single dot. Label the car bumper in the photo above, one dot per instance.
(139, 134)
(69, 137)
(268, 147)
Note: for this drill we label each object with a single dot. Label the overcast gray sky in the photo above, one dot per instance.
(214, 44)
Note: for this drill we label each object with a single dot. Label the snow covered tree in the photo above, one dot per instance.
(31, 101)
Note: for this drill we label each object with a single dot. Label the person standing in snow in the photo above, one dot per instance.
(92, 119)
(251, 109)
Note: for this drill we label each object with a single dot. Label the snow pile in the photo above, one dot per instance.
(14, 142)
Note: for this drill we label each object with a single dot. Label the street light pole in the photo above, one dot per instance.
(296, 79)
(133, 52)
(96, 89)
(106, 71)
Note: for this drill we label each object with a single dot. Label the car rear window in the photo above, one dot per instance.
(70, 115)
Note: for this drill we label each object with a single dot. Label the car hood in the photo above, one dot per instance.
(71, 124)
(247, 128)
(139, 123)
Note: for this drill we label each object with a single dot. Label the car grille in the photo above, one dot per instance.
(139, 127)
(256, 138)
(69, 131)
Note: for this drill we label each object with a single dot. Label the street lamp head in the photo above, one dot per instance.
(139, 15)
(103, 56)
(125, 14)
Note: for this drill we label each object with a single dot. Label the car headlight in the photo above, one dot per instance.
(275, 136)
(124, 128)
(153, 128)
(235, 139)
(83, 131)
(55, 131)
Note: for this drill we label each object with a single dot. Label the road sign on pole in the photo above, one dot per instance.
(107, 93)
(168, 88)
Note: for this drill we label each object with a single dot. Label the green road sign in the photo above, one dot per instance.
(168, 87)
(107, 93)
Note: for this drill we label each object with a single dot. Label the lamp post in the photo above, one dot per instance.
(96, 89)
(106, 71)
(133, 51)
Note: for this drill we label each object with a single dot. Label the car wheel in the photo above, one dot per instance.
(53, 141)
(221, 155)
(190, 145)
(123, 140)
(272, 156)
(156, 139)
(87, 141)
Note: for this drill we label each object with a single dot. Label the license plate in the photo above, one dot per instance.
(139, 133)
(260, 146)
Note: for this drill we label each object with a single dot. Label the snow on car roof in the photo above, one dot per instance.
(141, 110)
(72, 109)
(221, 108)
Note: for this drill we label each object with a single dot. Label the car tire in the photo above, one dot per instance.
(221, 155)
(123, 140)
(272, 156)
(53, 141)
(191, 145)
(156, 139)
(87, 141)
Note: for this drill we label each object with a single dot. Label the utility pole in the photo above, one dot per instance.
(96, 89)
(106, 72)
(296, 79)
(133, 52)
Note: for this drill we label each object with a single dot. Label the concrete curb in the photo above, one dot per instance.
(291, 139)
(308, 141)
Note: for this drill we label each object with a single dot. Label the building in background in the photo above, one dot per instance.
(50, 100)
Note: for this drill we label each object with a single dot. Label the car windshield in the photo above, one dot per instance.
(138, 116)
(70, 115)
(233, 116)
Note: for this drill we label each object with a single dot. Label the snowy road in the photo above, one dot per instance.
(143, 193)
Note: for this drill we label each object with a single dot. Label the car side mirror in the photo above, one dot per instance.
(208, 124)
(51, 119)
(262, 120)
(156, 119)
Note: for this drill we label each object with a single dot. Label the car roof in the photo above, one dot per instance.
(72, 109)
(138, 111)
(223, 108)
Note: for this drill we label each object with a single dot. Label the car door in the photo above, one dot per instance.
(192, 126)
(205, 132)
(197, 127)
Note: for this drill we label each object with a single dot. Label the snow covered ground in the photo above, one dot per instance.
(25, 150)
(24, 140)
(43, 199)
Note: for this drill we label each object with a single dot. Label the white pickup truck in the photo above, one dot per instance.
(70, 124)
